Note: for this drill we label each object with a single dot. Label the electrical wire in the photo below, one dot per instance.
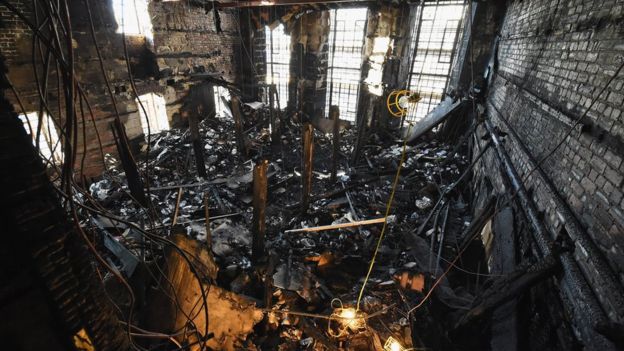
(387, 213)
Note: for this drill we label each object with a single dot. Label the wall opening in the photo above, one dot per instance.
(221, 109)
(278, 61)
(133, 18)
(346, 40)
(49, 145)
(434, 41)
(156, 110)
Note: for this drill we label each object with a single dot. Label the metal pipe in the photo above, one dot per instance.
(574, 289)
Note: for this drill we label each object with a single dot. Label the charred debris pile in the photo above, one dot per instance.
(278, 246)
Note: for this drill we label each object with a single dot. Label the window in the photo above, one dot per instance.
(156, 113)
(133, 18)
(278, 61)
(220, 106)
(346, 39)
(49, 144)
(434, 40)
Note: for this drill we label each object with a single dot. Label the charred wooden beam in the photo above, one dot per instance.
(274, 115)
(238, 124)
(508, 287)
(198, 146)
(308, 151)
(362, 130)
(477, 223)
(334, 114)
(207, 215)
(135, 183)
(259, 209)
(268, 280)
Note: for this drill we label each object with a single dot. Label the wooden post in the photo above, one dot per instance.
(308, 151)
(207, 214)
(334, 114)
(364, 124)
(259, 207)
(198, 147)
(135, 183)
(238, 125)
(176, 210)
(275, 125)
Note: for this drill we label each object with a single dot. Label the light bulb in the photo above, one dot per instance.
(348, 313)
(393, 345)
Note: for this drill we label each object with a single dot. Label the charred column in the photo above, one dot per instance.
(207, 214)
(135, 183)
(308, 151)
(198, 147)
(275, 120)
(334, 114)
(259, 207)
(238, 124)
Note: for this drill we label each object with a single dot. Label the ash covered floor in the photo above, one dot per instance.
(308, 287)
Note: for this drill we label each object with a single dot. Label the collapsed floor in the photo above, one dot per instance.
(307, 288)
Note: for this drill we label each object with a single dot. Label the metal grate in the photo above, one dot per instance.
(278, 61)
(434, 39)
(346, 39)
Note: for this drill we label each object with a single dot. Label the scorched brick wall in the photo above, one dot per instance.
(555, 59)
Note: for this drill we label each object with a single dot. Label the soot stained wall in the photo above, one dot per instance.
(555, 66)
(185, 44)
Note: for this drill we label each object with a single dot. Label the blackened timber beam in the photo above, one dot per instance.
(438, 115)
(308, 152)
(207, 219)
(259, 209)
(334, 114)
(135, 183)
(238, 124)
(275, 116)
(508, 287)
(198, 146)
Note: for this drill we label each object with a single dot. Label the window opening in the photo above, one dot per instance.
(133, 18)
(278, 61)
(434, 40)
(156, 110)
(49, 143)
(220, 107)
(346, 39)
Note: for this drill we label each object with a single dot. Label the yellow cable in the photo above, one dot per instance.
(385, 222)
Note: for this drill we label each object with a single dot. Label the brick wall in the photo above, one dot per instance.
(185, 43)
(554, 59)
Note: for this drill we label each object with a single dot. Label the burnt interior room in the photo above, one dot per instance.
(328, 175)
